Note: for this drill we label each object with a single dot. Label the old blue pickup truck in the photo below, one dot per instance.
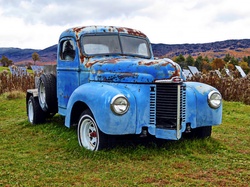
(107, 82)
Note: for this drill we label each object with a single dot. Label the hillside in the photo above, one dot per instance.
(23, 56)
(236, 48)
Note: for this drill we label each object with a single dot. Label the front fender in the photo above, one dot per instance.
(198, 111)
(98, 98)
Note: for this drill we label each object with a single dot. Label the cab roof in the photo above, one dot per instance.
(78, 31)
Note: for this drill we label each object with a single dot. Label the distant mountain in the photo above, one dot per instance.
(23, 56)
(236, 48)
(48, 54)
(16, 54)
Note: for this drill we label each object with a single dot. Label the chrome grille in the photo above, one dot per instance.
(183, 104)
(168, 104)
(152, 105)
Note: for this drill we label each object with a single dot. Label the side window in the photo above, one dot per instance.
(67, 50)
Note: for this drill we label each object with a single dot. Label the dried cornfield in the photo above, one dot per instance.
(232, 89)
(9, 82)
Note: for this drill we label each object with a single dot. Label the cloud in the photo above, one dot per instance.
(74, 11)
(38, 23)
(228, 17)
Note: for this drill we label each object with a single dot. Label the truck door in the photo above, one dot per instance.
(67, 71)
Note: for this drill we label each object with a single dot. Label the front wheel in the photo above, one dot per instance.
(89, 135)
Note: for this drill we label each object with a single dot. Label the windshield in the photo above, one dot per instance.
(112, 45)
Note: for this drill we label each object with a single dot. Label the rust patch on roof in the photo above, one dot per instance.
(131, 31)
(78, 29)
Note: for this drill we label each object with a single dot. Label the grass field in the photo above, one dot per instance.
(8, 70)
(3, 68)
(49, 155)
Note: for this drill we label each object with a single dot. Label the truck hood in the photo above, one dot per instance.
(134, 70)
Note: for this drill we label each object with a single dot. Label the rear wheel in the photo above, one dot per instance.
(89, 135)
(35, 114)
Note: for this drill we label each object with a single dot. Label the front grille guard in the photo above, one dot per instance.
(168, 106)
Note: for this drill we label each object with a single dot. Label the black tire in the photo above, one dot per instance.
(47, 95)
(89, 135)
(203, 132)
(35, 114)
(199, 133)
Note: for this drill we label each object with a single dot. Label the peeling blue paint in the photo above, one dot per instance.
(133, 70)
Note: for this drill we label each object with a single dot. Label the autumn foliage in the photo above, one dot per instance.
(204, 64)
(218, 64)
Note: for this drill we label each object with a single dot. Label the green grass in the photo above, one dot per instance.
(49, 155)
(4, 68)
(7, 69)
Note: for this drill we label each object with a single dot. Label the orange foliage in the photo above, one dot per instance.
(218, 64)
(231, 67)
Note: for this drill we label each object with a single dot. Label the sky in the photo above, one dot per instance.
(37, 24)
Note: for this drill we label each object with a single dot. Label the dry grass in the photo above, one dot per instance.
(9, 83)
(232, 89)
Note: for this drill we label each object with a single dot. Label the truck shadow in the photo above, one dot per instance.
(207, 145)
(134, 142)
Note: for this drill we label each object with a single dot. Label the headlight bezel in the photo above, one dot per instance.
(214, 99)
(117, 103)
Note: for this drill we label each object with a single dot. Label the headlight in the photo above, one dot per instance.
(119, 104)
(214, 99)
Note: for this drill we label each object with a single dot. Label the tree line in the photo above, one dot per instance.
(204, 64)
